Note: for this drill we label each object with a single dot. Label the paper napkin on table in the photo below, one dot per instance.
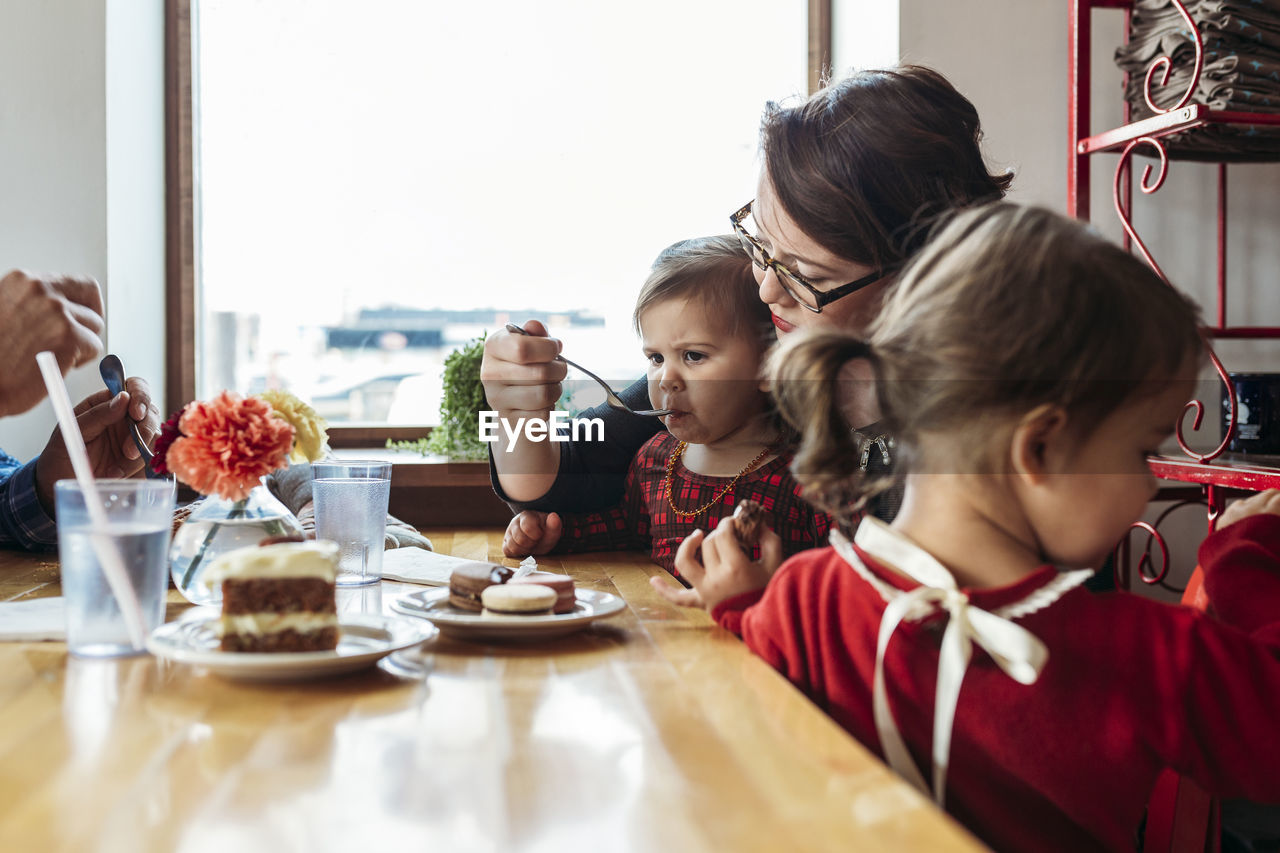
(414, 565)
(33, 619)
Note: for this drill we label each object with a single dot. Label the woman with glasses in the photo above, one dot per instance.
(850, 181)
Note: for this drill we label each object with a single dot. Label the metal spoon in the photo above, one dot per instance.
(611, 396)
(112, 370)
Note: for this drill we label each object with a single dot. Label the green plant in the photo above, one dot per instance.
(458, 435)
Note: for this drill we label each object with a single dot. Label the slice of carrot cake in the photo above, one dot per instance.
(278, 598)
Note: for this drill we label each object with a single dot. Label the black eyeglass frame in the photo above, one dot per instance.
(787, 278)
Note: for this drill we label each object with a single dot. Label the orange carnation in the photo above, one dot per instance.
(228, 445)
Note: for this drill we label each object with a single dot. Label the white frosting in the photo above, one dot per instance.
(272, 623)
(284, 560)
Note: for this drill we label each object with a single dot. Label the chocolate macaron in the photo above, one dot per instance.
(468, 583)
(562, 584)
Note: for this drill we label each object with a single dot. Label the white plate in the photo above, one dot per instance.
(433, 605)
(363, 640)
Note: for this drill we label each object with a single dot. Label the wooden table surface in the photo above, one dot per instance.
(652, 730)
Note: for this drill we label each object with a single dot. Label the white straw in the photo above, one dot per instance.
(103, 545)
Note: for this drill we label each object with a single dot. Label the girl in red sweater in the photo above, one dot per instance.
(1027, 368)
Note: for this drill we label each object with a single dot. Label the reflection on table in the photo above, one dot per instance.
(649, 730)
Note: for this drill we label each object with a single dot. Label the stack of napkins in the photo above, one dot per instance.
(414, 565)
(33, 619)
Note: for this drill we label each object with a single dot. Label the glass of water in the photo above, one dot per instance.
(139, 516)
(351, 498)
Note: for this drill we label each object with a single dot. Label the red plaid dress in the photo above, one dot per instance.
(644, 519)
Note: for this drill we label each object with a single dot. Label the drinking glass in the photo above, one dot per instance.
(351, 498)
(139, 515)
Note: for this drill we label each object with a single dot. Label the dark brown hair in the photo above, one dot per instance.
(715, 273)
(1006, 309)
(864, 162)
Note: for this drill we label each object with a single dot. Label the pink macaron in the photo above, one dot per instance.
(562, 584)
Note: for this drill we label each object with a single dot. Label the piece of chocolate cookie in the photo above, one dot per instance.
(746, 520)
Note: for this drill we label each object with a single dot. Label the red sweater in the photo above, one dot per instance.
(1131, 686)
(644, 519)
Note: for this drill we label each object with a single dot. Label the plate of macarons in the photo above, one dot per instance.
(486, 601)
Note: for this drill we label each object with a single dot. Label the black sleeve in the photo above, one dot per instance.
(592, 473)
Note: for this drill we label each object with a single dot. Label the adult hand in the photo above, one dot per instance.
(59, 314)
(1264, 502)
(522, 380)
(520, 373)
(724, 570)
(532, 532)
(104, 421)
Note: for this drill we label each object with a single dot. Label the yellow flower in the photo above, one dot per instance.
(310, 440)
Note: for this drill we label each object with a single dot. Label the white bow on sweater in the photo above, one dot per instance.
(1014, 649)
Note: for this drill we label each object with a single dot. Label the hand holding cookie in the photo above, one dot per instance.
(674, 592)
(724, 570)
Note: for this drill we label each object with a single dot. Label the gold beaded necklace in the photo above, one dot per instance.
(671, 467)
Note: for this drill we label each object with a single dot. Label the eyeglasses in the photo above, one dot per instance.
(801, 290)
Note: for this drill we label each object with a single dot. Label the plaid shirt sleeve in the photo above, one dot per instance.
(23, 520)
(624, 527)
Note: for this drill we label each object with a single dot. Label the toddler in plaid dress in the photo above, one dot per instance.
(704, 332)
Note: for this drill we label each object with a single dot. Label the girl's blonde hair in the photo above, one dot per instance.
(1007, 308)
(715, 273)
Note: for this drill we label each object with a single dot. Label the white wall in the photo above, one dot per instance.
(1009, 57)
(864, 34)
(82, 170)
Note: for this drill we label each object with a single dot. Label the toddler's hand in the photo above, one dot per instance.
(675, 593)
(532, 532)
(1263, 502)
(724, 571)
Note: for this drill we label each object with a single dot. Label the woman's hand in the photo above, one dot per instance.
(105, 421)
(522, 380)
(1263, 502)
(520, 374)
(532, 532)
(724, 570)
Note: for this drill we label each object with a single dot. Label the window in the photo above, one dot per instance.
(375, 184)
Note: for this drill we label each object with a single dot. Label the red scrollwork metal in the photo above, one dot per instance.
(1120, 555)
(1149, 186)
(1165, 64)
(1153, 535)
(1146, 185)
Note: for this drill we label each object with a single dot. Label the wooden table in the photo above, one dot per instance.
(653, 730)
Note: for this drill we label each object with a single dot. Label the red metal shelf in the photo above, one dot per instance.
(1229, 473)
(1187, 118)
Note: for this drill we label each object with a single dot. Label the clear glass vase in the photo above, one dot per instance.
(216, 526)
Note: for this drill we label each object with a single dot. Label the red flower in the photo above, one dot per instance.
(168, 432)
(228, 444)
